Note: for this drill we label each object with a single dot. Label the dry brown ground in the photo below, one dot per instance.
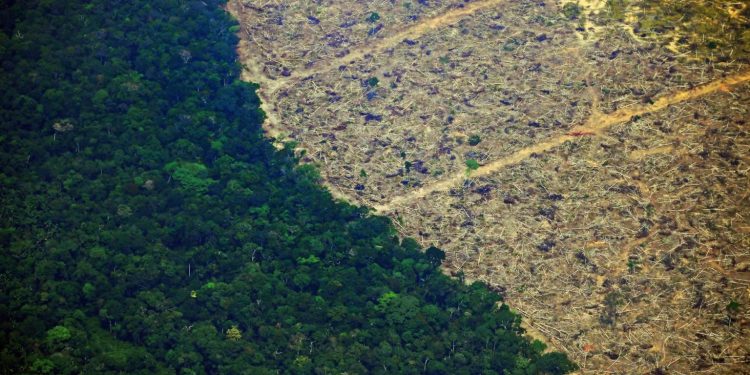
(611, 202)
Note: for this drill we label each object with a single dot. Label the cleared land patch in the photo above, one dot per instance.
(589, 164)
(593, 126)
(625, 264)
(395, 122)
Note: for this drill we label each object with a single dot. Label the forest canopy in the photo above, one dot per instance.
(147, 227)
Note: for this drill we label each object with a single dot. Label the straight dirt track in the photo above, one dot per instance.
(411, 32)
(595, 124)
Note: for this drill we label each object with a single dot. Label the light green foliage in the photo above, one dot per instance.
(58, 334)
(302, 363)
(100, 97)
(522, 363)
(312, 259)
(217, 144)
(234, 333)
(42, 366)
(471, 165)
(191, 176)
(398, 308)
(98, 252)
(386, 299)
(88, 290)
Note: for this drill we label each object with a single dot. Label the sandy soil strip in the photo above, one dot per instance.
(269, 88)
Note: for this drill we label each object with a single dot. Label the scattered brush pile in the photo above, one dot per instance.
(292, 35)
(478, 90)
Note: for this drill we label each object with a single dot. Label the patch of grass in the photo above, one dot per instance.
(616, 9)
(571, 11)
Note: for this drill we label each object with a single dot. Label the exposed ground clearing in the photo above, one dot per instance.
(270, 86)
(411, 32)
(665, 237)
(412, 126)
(610, 201)
(593, 126)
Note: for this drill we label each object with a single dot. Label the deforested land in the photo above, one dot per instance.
(587, 160)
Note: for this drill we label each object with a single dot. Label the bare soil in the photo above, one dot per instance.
(589, 163)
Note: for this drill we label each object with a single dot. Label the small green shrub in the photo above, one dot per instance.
(374, 17)
(471, 165)
(474, 139)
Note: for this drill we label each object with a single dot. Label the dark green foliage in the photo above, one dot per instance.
(373, 17)
(474, 139)
(148, 228)
(733, 308)
(435, 255)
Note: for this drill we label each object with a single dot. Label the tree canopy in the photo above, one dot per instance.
(147, 227)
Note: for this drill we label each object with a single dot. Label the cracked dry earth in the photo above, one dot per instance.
(610, 205)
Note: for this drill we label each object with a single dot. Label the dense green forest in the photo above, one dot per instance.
(147, 227)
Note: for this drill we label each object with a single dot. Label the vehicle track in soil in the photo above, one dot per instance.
(597, 123)
(269, 88)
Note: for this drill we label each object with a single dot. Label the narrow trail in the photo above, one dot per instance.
(640, 154)
(594, 125)
(411, 32)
